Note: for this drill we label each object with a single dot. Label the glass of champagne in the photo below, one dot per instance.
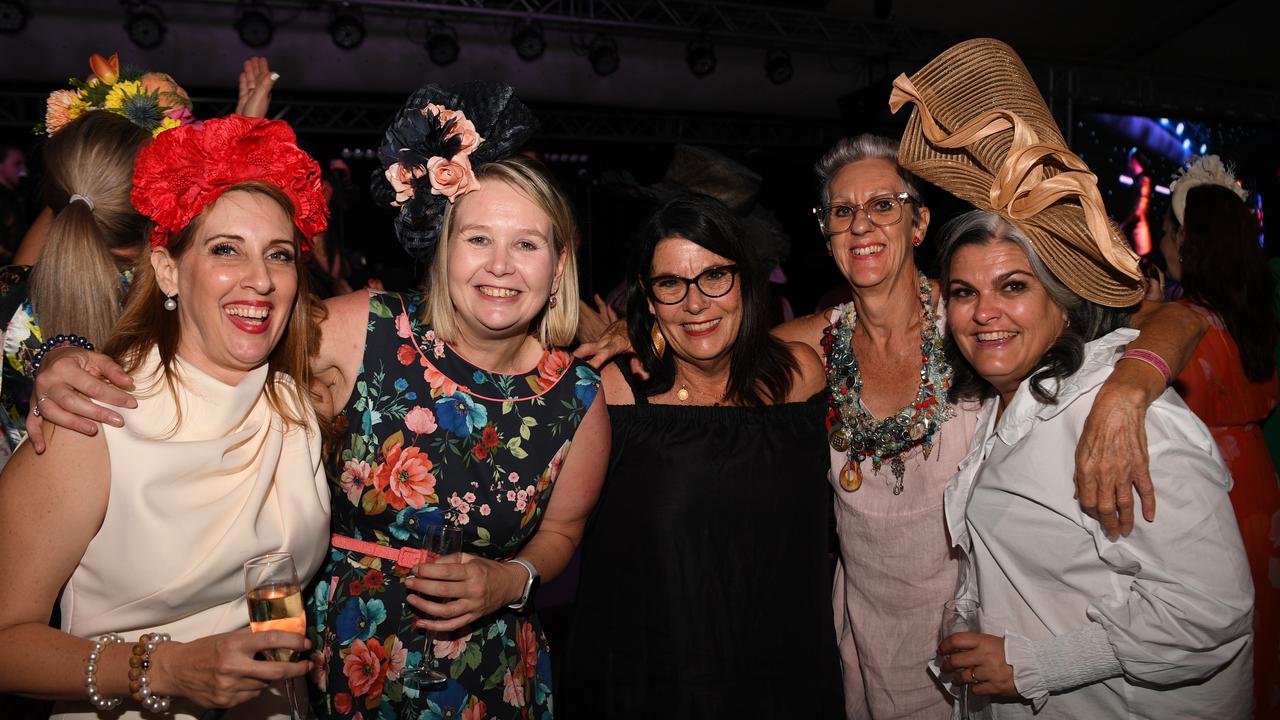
(962, 616)
(275, 603)
(439, 541)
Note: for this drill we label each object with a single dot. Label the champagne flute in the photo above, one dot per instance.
(274, 598)
(961, 616)
(439, 541)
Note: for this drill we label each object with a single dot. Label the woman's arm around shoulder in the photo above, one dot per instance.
(1111, 458)
(341, 351)
(807, 330)
(810, 375)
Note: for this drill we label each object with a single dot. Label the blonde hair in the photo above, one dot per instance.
(555, 325)
(75, 286)
(145, 323)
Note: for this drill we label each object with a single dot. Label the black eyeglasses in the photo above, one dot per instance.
(881, 211)
(712, 282)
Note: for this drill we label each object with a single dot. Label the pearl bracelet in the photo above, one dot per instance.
(140, 669)
(91, 670)
(57, 342)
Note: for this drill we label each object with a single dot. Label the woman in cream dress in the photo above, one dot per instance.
(148, 526)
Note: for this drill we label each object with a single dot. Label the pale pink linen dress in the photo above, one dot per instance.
(896, 570)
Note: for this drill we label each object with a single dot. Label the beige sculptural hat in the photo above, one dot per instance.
(981, 131)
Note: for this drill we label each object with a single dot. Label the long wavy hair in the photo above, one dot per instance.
(761, 368)
(75, 286)
(1225, 270)
(1089, 321)
(145, 324)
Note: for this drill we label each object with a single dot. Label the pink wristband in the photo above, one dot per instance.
(1151, 359)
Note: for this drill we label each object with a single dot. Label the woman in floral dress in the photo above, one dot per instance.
(456, 409)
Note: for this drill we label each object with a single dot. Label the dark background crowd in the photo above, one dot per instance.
(617, 87)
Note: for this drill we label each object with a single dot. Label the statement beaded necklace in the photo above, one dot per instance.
(854, 430)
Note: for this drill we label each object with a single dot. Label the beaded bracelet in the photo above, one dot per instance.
(91, 670)
(56, 342)
(140, 669)
(1151, 359)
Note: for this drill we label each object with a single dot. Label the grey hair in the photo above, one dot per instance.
(1087, 320)
(864, 147)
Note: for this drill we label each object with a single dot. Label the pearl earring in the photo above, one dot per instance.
(170, 304)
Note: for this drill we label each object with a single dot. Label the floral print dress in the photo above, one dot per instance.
(429, 438)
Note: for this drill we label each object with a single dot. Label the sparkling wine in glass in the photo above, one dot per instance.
(274, 598)
(440, 541)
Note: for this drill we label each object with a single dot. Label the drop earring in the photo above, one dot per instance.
(170, 304)
(659, 342)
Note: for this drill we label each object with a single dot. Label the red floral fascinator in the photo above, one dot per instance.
(184, 170)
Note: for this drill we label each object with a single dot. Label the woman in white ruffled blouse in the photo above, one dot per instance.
(1154, 625)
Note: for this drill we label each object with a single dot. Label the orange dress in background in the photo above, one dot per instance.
(1215, 387)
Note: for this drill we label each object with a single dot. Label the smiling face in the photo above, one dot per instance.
(999, 313)
(700, 329)
(235, 284)
(502, 264)
(867, 255)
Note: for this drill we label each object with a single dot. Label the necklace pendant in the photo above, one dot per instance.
(683, 394)
(839, 438)
(899, 468)
(850, 477)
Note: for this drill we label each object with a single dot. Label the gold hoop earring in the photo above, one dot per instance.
(659, 342)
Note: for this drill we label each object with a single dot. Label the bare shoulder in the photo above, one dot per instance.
(810, 374)
(342, 337)
(72, 478)
(807, 329)
(617, 391)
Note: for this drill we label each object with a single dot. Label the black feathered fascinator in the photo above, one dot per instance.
(429, 151)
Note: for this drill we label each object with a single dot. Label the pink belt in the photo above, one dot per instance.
(405, 557)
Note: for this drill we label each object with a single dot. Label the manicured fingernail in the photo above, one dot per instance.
(116, 420)
(275, 76)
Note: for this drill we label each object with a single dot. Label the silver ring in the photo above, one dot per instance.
(36, 412)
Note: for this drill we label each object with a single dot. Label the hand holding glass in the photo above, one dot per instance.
(275, 603)
(440, 541)
(962, 616)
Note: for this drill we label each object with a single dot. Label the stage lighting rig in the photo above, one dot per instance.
(346, 26)
(603, 54)
(442, 44)
(700, 55)
(13, 16)
(529, 40)
(255, 25)
(777, 66)
(144, 23)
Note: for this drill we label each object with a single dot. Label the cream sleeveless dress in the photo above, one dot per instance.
(896, 570)
(187, 508)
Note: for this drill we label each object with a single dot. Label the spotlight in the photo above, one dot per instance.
(529, 40)
(777, 65)
(13, 16)
(701, 57)
(1203, 148)
(346, 26)
(145, 24)
(255, 25)
(442, 45)
(1178, 130)
(603, 54)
